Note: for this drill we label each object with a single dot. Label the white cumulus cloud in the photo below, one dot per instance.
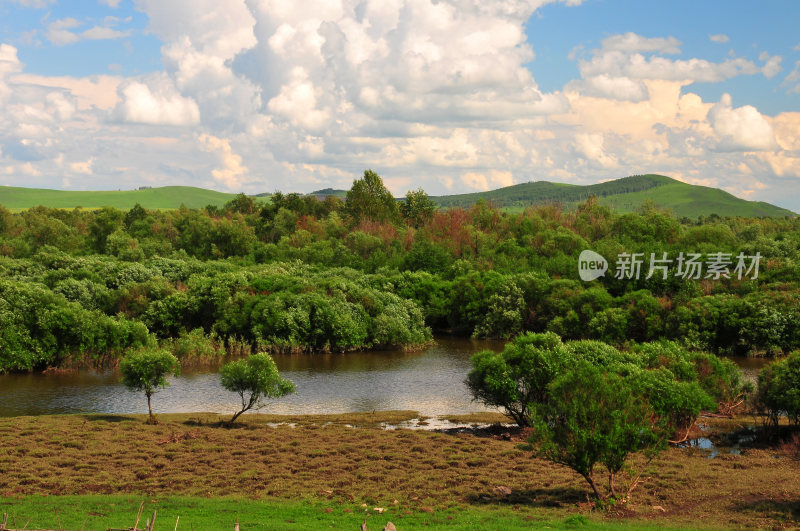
(487, 180)
(259, 95)
(159, 104)
(231, 173)
(741, 128)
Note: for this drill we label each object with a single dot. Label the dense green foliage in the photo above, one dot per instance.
(595, 417)
(300, 274)
(779, 390)
(254, 379)
(676, 382)
(591, 404)
(146, 370)
(518, 377)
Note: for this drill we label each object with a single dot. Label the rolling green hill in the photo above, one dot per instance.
(341, 194)
(164, 198)
(624, 195)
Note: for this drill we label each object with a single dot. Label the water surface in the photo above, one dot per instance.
(430, 381)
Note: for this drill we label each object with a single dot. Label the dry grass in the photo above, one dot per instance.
(349, 458)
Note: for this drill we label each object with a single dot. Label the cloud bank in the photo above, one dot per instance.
(261, 95)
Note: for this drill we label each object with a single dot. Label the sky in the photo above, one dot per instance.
(451, 96)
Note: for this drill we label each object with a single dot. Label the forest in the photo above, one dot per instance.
(296, 274)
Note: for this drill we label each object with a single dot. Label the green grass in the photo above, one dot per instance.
(624, 195)
(92, 512)
(164, 198)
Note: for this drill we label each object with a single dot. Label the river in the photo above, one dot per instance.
(430, 381)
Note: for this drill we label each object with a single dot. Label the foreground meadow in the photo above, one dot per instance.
(334, 471)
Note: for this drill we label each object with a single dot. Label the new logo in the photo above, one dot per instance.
(591, 266)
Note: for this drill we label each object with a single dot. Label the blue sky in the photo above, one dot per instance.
(135, 53)
(556, 30)
(452, 96)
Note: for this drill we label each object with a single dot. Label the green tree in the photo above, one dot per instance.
(517, 377)
(104, 222)
(417, 208)
(779, 390)
(242, 203)
(594, 417)
(136, 213)
(146, 370)
(253, 379)
(369, 199)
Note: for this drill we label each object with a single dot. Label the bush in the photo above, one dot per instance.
(779, 390)
(196, 345)
(718, 377)
(591, 404)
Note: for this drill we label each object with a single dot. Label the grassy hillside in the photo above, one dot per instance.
(624, 195)
(167, 197)
(341, 194)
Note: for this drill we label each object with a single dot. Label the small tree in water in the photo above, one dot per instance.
(253, 379)
(146, 370)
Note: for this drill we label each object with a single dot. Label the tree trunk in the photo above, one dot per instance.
(611, 484)
(591, 482)
(152, 419)
(236, 415)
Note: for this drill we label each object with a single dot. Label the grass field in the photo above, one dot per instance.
(164, 198)
(325, 471)
(120, 511)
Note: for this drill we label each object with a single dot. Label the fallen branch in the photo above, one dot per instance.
(685, 435)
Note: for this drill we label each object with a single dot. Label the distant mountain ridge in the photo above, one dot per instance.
(624, 195)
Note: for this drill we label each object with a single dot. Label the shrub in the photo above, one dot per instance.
(779, 390)
(590, 403)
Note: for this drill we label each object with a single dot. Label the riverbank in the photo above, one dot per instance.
(338, 463)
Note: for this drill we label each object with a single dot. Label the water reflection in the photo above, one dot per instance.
(430, 381)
